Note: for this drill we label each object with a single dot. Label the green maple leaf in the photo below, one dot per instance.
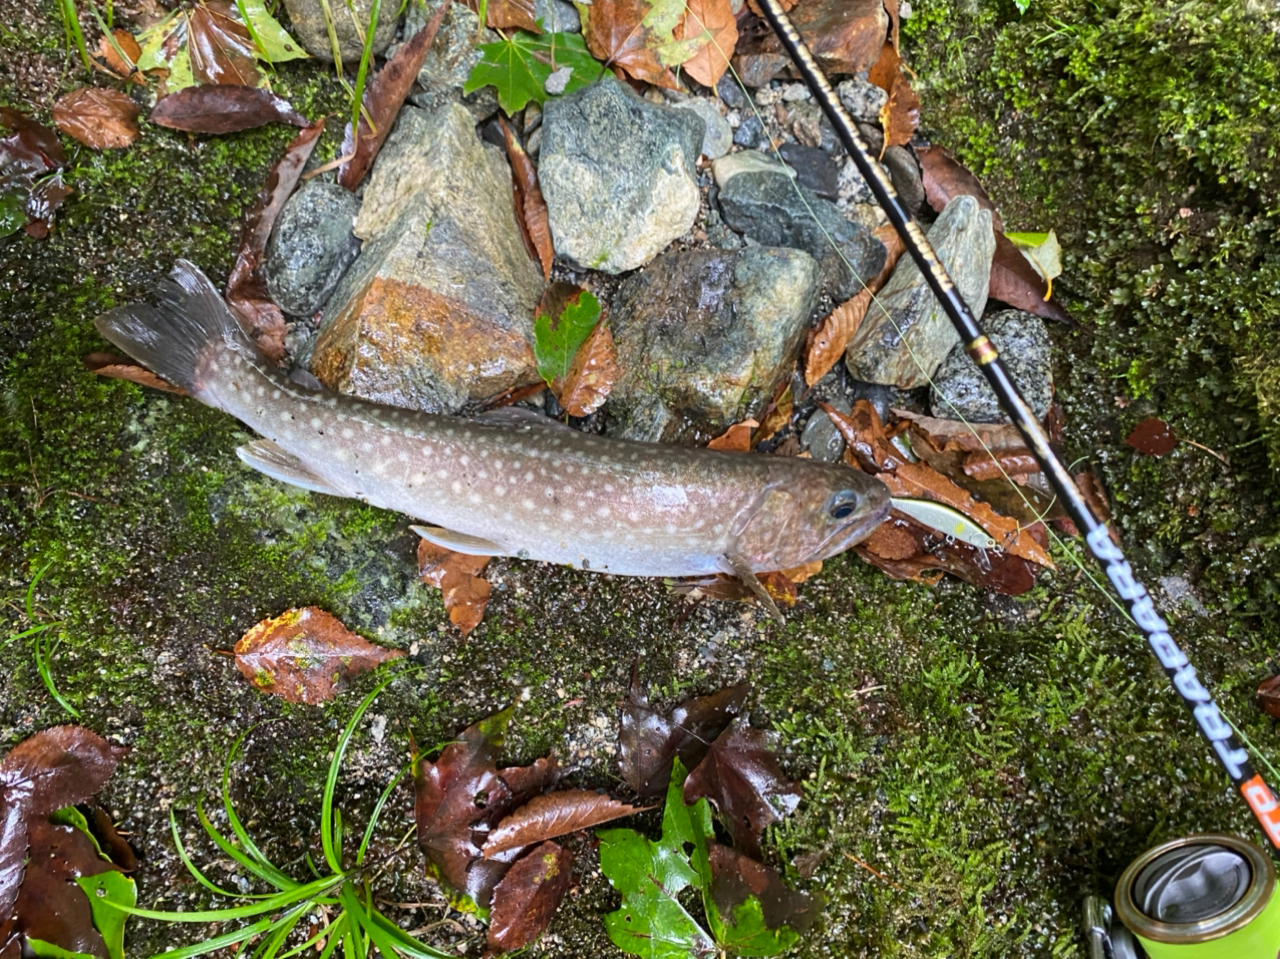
(556, 345)
(520, 66)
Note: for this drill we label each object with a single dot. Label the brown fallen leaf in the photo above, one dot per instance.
(845, 37)
(713, 20)
(220, 47)
(246, 287)
(28, 154)
(737, 878)
(777, 415)
(832, 336)
(736, 439)
(1268, 696)
(867, 444)
(305, 655)
(508, 14)
(591, 376)
(109, 61)
(1015, 281)
(556, 814)
(945, 178)
(101, 119)
(218, 108)
(124, 368)
(1152, 437)
(456, 576)
(958, 435)
(531, 208)
(900, 114)
(787, 5)
(615, 33)
(989, 466)
(383, 97)
(527, 897)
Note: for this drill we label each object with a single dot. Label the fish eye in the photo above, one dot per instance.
(842, 505)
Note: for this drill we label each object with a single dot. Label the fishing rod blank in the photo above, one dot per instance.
(1215, 728)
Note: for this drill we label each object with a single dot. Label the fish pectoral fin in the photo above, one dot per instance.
(739, 567)
(459, 542)
(266, 457)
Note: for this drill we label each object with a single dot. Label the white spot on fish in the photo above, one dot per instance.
(441, 474)
(528, 476)
(386, 439)
(475, 498)
(608, 487)
(567, 515)
(633, 516)
(316, 422)
(528, 504)
(464, 459)
(497, 464)
(348, 432)
(549, 492)
(456, 487)
(402, 456)
(602, 512)
(261, 391)
(500, 491)
(546, 510)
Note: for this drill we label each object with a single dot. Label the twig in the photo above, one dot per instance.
(875, 872)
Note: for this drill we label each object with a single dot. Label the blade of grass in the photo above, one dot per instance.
(404, 942)
(272, 874)
(377, 810)
(44, 652)
(192, 868)
(268, 873)
(281, 900)
(366, 53)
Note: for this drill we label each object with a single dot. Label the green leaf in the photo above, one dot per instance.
(49, 950)
(650, 875)
(1042, 252)
(661, 20)
(556, 346)
(519, 67)
(272, 40)
(103, 890)
(747, 933)
(13, 217)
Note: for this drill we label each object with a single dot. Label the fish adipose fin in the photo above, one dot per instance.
(178, 336)
(742, 569)
(459, 542)
(266, 457)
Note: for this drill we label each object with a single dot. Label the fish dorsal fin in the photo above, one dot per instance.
(266, 457)
(459, 542)
(519, 416)
(739, 567)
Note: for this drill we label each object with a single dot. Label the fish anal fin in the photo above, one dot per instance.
(268, 458)
(737, 565)
(459, 542)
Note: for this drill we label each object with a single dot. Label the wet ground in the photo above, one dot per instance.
(971, 764)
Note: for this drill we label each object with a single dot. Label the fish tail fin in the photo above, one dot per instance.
(180, 336)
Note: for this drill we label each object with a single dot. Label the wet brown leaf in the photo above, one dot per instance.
(736, 439)
(305, 655)
(124, 368)
(531, 208)
(106, 59)
(903, 549)
(900, 114)
(246, 286)
(508, 14)
(592, 375)
(456, 575)
(383, 97)
(714, 20)
(28, 153)
(649, 742)
(787, 5)
(945, 178)
(59, 767)
(777, 415)
(1152, 437)
(616, 34)
(1094, 495)
(1268, 696)
(101, 119)
(553, 815)
(741, 777)
(845, 37)
(735, 878)
(989, 466)
(223, 109)
(957, 435)
(1015, 281)
(868, 446)
(528, 896)
(220, 47)
(832, 336)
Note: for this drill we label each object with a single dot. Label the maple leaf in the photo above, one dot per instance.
(637, 37)
(519, 67)
(456, 575)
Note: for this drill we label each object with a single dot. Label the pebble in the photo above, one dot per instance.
(1023, 343)
(905, 174)
(718, 138)
(306, 21)
(311, 246)
(863, 100)
(617, 172)
(820, 436)
(730, 93)
(814, 169)
(794, 92)
(749, 132)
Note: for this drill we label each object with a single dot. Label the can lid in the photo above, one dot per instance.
(1192, 883)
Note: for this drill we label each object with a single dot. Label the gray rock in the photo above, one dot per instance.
(820, 436)
(557, 16)
(718, 138)
(704, 337)
(307, 24)
(747, 161)
(450, 59)
(617, 173)
(905, 174)
(730, 93)
(768, 207)
(905, 347)
(1023, 343)
(863, 100)
(814, 169)
(437, 311)
(311, 246)
(749, 132)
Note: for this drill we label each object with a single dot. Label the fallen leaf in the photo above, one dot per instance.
(456, 575)
(563, 321)
(46, 196)
(108, 58)
(101, 119)
(528, 896)
(777, 415)
(1042, 251)
(305, 655)
(845, 37)
(124, 368)
(1152, 437)
(779, 587)
(959, 435)
(60, 767)
(741, 777)
(904, 549)
(383, 96)
(29, 195)
(621, 33)
(1015, 281)
(868, 447)
(900, 114)
(1094, 495)
(591, 377)
(520, 68)
(736, 439)
(531, 208)
(1268, 696)
(649, 742)
(989, 466)
(736, 880)
(553, 815)
(713, 24)
(945, 177)
(833, 334)
(246, 286)
(14, 842)
(508, 14)
(212, 108)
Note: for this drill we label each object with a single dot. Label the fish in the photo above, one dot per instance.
(511, 482)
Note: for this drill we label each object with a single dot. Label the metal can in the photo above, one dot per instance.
(1202, 897)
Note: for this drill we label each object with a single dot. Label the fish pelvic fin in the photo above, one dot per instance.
(738, 565)
(268, 458)
(459, 542)
(181, 334)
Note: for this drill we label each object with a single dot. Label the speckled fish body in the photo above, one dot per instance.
(514, 483)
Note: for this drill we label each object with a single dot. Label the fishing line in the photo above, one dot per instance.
(1210, 720)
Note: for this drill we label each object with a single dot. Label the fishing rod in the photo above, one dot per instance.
(1177, 666)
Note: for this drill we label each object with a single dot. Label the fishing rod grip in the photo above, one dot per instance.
(1231, 756)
